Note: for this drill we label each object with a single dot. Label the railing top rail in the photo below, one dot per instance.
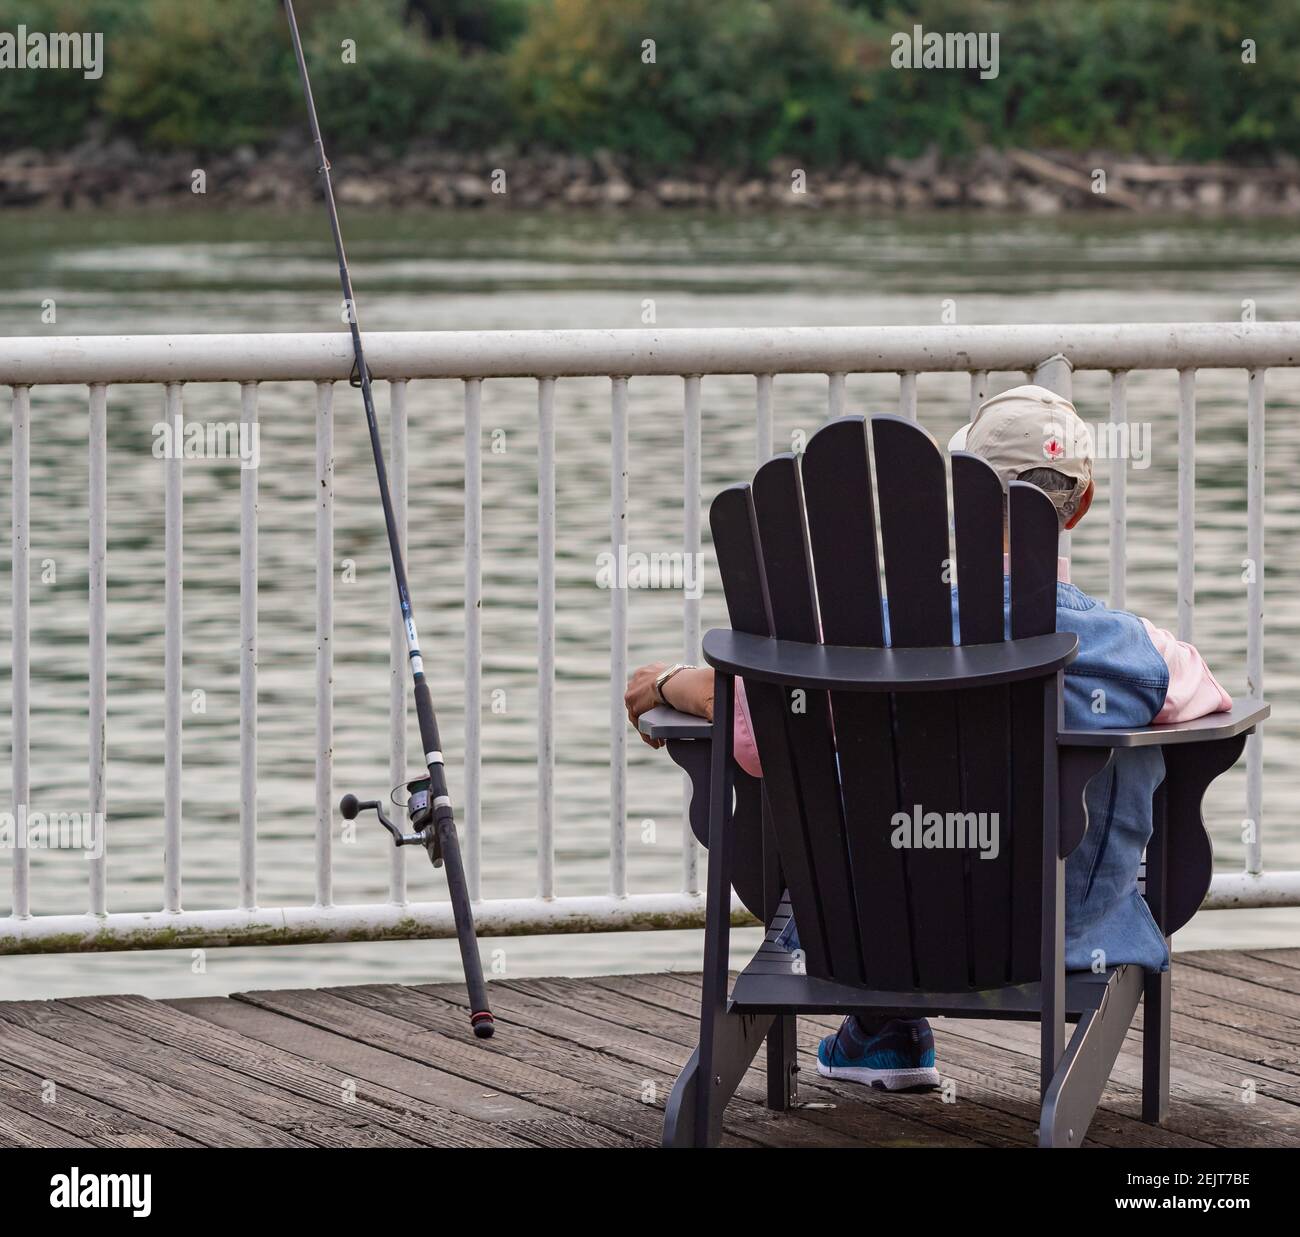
(326, 356)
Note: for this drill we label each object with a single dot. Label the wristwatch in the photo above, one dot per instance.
(664, 676)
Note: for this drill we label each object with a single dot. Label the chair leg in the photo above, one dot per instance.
(729, 1042)
(782, 1063)
(681, 1110)
(1081, 1076)
(1155, 1047)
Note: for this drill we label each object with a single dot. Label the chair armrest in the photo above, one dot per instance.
(839, 668)
(1242, 718)
(664, 722)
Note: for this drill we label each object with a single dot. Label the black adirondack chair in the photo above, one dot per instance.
(850, 731)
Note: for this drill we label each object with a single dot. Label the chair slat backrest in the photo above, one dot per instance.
(984, 715)
(846, 558)
(799, 554)
(744, 584)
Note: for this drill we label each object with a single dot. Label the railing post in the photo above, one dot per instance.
(618, 599)
(248, 661)
(907, 395)
(399, 667)
(1055, 373)
(691, 501)
(1118, 515)
(174, 503)
(324, 643)
(979, 391)
(763, 420)
(473, 634)
(1255, 459)
(1186, 502)
(98, 651)
(546, 637)
(835, 396)
(21, 658)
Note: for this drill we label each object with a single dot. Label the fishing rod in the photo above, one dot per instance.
(428, 804)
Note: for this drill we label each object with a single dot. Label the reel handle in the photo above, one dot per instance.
(350, 807)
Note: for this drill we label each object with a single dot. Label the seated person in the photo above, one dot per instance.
(1127, 673)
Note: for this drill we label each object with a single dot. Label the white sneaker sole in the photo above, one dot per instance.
(882, 1079)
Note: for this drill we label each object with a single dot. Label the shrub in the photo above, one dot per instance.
(49, 108)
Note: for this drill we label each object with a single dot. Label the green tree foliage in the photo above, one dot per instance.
(730, 83)
(733, 81)
(48, 107)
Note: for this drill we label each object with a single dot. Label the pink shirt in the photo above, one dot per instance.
(1193, 691)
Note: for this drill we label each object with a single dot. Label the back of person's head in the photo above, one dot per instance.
(1032, 434)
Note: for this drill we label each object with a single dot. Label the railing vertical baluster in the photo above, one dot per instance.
(174, 507)
(399, 666)
(473, 635)
(618, 599)
(1118, 514)
(546, 637)
(907, 395)
(979, 390)
(248, 659)
(1255, 610)
(1055, 374)
(1186, 502)
(691, 444)
(763, 428)
(324, 642)
(98, 684)
(835, 397)
(21, 657)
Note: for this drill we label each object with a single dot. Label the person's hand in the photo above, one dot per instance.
(640, 696)
(690, 690)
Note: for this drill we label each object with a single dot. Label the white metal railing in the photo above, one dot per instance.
(545, 356)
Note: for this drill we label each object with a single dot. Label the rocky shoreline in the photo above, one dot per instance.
(117, 175)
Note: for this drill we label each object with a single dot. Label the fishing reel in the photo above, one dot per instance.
(419, 812)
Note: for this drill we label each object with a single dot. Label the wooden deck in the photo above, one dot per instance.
(588, 1063)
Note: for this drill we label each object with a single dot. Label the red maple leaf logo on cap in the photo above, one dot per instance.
(1053, 449)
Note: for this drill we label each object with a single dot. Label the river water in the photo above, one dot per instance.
(208, 272)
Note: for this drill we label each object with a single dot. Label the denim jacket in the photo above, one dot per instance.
(1119, 679)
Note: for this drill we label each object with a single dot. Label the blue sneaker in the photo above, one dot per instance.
(898, 1057)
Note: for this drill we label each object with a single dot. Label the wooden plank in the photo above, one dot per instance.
(367, 1102)
(1264, 972)
(364, 1135)
(1283, 957)
(84, 1119)
(634, 1053)
(1224, 997)
(394, 1081)
(183, 1067)
(585, 1058)
(18, 1128)
(504, 1063)
(54, 1050)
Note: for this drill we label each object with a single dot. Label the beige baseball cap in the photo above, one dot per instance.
(1031, 427)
